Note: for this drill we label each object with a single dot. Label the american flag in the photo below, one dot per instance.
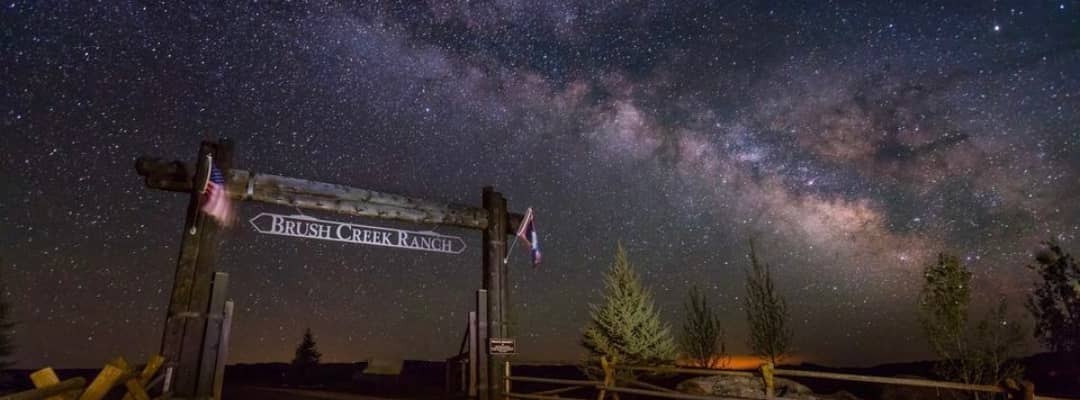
(527, 232)
(217, 204)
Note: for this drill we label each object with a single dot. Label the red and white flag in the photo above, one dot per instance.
(217, 204)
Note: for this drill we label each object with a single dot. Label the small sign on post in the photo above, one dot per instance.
(303, 226)
(502, 346)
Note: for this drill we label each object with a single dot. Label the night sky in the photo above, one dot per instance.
(853, 141)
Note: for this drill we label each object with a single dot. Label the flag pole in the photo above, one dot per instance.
(511, 249)
(517, 235)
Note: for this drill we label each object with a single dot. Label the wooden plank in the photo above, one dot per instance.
(646, 385)
(474, 352)
(135, 390)
(578, 382)
(276, 185)
(885, 380)
(301, 193)
(105, 380)
(559, 390)
(46, 377)
(223, 350)
(533, 396)
(211, 342)
(680, 396)
(151, 368)
(72, 385)
(480, 367)
(506, 378)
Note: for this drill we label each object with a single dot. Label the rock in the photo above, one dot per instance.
(746, 387)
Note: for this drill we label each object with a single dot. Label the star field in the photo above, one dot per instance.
(852, 140)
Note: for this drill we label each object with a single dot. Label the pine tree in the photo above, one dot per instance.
(304, 363)
(1055, 303)
(627, 327)
(766, 312)
(702, 339)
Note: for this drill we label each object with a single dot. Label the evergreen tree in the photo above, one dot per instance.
(306, 360)
(702, 339)
(1055, 303)
(627, 327)
(766, 312)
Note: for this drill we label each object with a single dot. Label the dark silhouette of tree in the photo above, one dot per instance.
(766, 312)
(943, 306)
(627, 327)
(702, 338)
(7, 340)
(302, 370)
(983, 355)
(1055, 303)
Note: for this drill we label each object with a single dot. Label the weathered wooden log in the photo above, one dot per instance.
(177, 177)
(59, 388)
(576, 382)
(105, 381)
(46, 377)
(344, 200)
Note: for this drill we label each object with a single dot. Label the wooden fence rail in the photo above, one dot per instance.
(1017, 390)
(48, 385)
(62, 387)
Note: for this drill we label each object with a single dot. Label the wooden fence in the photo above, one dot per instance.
(116, 372)
(612, 384)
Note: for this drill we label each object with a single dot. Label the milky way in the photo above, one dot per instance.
(853, 142)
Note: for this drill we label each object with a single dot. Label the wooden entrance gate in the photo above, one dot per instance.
(191, 359)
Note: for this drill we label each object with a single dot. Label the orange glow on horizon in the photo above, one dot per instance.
(741, 361)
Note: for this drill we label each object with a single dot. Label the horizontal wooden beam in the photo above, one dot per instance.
(60, 388)
(533, 396)
(176, 176)
(341, 199)
(578, 382)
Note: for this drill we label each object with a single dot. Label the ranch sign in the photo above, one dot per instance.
(303, 226)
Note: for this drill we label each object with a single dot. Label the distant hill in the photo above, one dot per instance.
(1053, 375)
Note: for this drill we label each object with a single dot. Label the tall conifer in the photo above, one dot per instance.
(626, 327)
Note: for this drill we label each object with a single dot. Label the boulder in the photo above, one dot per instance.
(749, 387)
(743, 386)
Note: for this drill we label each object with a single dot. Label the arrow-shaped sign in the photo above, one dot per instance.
(303, 226)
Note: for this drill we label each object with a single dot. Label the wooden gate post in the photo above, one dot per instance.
(494, 242)
(185, 324)
(480, 367)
